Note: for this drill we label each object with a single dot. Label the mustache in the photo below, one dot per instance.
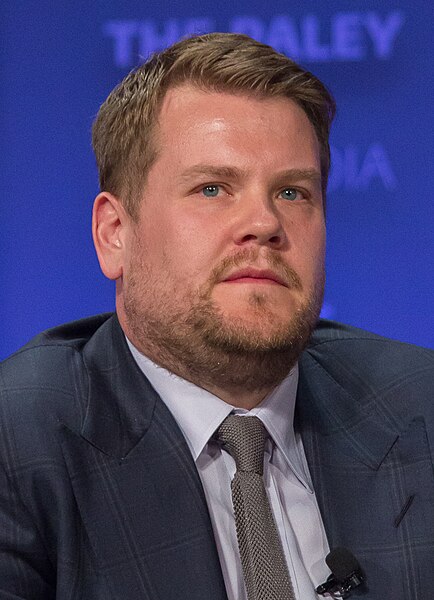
(249, 258)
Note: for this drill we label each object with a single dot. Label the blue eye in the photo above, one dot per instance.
(210, 191)
(289, 194)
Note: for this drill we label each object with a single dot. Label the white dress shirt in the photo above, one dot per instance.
(199, 413)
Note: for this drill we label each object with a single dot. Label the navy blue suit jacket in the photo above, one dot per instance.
(100, 498)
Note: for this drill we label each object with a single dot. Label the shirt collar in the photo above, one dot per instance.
(199, 413)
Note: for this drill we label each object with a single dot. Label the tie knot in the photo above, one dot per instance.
(244, 438)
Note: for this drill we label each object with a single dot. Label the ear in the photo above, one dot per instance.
(109, 230)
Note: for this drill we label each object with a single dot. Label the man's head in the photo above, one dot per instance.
(217, 245)
(124, 137)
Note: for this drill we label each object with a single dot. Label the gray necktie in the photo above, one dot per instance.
(264, 566)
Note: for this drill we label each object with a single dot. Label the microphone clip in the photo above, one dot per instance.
(340, 589)
(346, 574)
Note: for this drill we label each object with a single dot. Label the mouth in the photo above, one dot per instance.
(255, 276)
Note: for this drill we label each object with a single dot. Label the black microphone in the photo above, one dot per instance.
(346, 574)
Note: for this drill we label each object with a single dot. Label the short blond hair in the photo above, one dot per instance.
(122, 134)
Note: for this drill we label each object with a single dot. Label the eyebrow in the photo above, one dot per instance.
(311, 175)
(212, 170)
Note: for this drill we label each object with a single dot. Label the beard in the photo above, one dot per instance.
(189, 335)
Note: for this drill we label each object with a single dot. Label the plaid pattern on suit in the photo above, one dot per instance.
(100, 498)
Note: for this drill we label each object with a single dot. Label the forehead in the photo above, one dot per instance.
(195, 118)
(189, 99)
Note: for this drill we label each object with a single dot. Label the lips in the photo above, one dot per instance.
(250, 275)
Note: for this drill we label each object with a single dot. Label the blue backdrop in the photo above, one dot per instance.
(59, 61)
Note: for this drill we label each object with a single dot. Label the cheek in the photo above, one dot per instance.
(193, 244)
(311, 250)
(319, 245)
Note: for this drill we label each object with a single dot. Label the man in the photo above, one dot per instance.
(116, 473)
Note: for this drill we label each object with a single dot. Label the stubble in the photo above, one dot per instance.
(189, 335)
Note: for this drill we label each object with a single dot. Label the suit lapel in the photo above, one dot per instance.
(332, 411)
(136, 485)
(364, 470)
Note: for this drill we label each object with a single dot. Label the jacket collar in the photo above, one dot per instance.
(332, 409)
(347, 419)
(121, 401)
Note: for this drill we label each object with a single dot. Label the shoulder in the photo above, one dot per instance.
(330, 337)
(37, 361)
(358, 359)
(48, 376)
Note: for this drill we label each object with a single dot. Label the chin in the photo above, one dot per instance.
(260, 313)
(239, 333)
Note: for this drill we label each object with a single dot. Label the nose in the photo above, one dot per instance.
(258, 222)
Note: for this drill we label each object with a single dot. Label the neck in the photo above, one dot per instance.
(242, 381)
(239, 398)
(241, 375)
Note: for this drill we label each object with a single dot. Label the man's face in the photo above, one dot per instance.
(227, 255)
